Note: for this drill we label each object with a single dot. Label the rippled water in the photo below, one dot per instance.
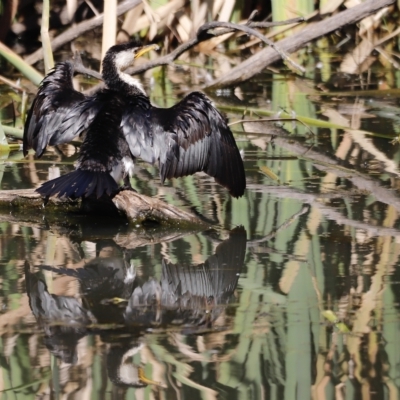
(291, 294)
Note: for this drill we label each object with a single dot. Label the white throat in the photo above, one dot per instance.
(131, 81)
(124, 60)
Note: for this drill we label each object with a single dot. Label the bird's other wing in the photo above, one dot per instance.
(58, 113)
(99, 163)
(189, 137)
(76, 120)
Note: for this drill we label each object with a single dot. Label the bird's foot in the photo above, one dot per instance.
(125, 187)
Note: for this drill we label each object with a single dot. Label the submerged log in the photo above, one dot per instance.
(136, 207)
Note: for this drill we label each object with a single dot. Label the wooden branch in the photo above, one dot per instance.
(136, 207)
(77, 30)
(261, 60)
(143, 237)
(80, 68)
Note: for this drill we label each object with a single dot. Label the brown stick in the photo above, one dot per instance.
(261, 60)
(77, 30)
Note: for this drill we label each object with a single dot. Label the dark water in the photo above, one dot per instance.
(291, 294)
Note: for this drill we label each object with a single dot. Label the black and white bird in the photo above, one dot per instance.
(119, 124)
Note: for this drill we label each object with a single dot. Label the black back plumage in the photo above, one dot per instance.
(120, 123)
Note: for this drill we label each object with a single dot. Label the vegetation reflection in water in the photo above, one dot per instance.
(313, 312)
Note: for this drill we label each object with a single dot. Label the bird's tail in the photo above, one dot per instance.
(80, 183)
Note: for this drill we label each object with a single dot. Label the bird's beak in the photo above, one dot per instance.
(146, 49)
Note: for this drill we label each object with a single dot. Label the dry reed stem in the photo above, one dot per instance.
(109, 26)
(44, 33)
(78, 29)
(130, 20)
(161, 14)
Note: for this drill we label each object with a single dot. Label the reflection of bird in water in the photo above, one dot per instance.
(194, 295)
(106, 274)
(105, 282)
(120, 124)
(62, 318)
(64, 321)
(188, 297)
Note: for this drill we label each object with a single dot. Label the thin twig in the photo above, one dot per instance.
(79, 67)
(277, 23)
(277, 119)
(11, 83)
(251, 243)
(92, 7)
(264, 120)
(252, 16)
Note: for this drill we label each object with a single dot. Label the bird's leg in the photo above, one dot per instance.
(126, 186)
(45, 200)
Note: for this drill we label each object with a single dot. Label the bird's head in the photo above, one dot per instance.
(124, 55)
(117, 59)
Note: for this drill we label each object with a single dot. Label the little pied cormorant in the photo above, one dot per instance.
(119, 124)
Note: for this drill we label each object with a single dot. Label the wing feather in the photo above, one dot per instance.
(58, 112)
(189, 137)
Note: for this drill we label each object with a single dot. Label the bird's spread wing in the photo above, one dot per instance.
(75, 119)
(58, 113)
(189, 137)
